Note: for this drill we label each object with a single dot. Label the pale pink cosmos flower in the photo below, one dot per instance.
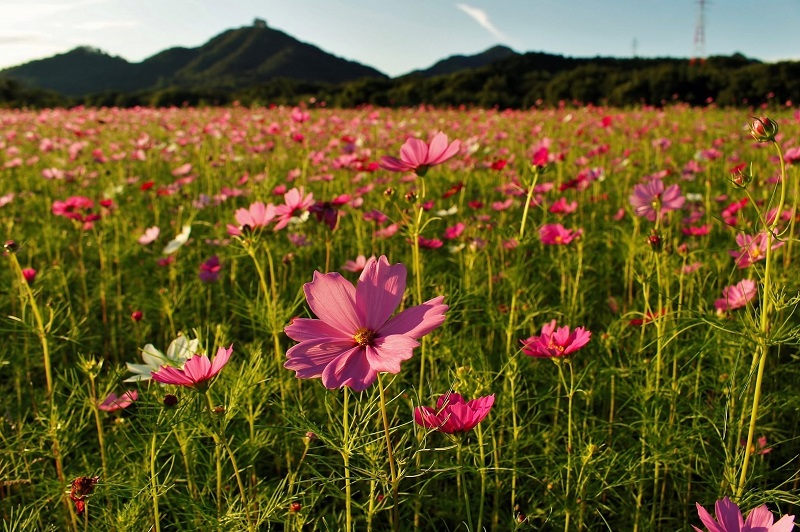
(557, 234)
(254, 217)
(417, 156)
(114, 402)
(295, 208)
(355, 336)
(555, 342)
(454, 231)
(197, 371)
(356, 266)
(453, 414)
(651, 199)
(752, 249)
(150, 235)
(6, 199)
(729, 519)
(737, 295)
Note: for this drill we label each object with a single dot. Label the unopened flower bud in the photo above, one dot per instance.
(388, 192)
(411, 196)
(764, 129)
(295, 507)
(137, 315)
(170, 400)
(740, 176)
(10, 246)
(656, 242)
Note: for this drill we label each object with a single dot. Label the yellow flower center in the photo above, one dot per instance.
(364, 337)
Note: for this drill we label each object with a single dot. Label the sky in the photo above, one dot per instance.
(398, 36)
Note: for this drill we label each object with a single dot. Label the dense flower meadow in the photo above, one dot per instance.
(371, 319)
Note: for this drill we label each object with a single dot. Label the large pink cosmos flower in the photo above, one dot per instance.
(737, 295)
(453, 414)
(417, 156)
(356, 336)
(729, 519)
(752, 249)
(557, 234)
(650, 199)
(256, 216)
(555, 343)
(197, 371)
(295, 208)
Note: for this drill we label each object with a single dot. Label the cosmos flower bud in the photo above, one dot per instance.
(170, 400)
(656, 242)
(764, 129)
(10, 246)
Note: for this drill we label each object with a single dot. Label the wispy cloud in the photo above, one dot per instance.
(95, 25)
(29, 38)
(481, 17)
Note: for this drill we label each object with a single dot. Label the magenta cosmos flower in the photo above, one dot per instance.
(256, 216)
(453, 414)
(356, 337)
(651, 199)
(295, 209)
(752, 249)
(197, 371)
(417, 156)
(114, 402)
(555, 342)
(557, 234)
(737, 295)
(729, 519)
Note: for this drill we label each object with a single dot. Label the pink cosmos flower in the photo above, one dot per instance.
(209, 270)
(561, 206)
(650, 199)
(760, 447)
(356, 336)
(197, 371)
(557, 234)
(729, 519)
(256, 216)
(417, 156)
(295, 208)
(114, 402)
(737, 295)
(149, 236)
(453, 414)
(454, 231)
(356, 266)
(752, 249)
(555, 343)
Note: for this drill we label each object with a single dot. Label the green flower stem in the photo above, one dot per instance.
(482, 472)
(764, 330)
(41, 330)
(460, 481)
(154, 481)
(346, 458)
(390, 453)
(98, 422)
(570, 394)
(527, 206)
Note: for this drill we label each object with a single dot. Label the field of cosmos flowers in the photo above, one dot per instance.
(320, 319)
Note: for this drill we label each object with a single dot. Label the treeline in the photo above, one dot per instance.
(518, 82)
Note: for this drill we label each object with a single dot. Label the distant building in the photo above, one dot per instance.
(259, 23)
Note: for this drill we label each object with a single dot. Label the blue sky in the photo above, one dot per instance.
(397, 36)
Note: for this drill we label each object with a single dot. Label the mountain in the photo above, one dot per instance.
(456, 63)
(233, 59)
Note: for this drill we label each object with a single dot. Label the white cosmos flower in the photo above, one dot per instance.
(178, 352)
(178, 242)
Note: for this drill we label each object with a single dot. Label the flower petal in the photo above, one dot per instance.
(379, 292)
(332, 299)
(349, 369)
(388, 352)
(310, 358)
(302, 329)
(414, 152)
(784, 524)
(707, 520)
(418, 321)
